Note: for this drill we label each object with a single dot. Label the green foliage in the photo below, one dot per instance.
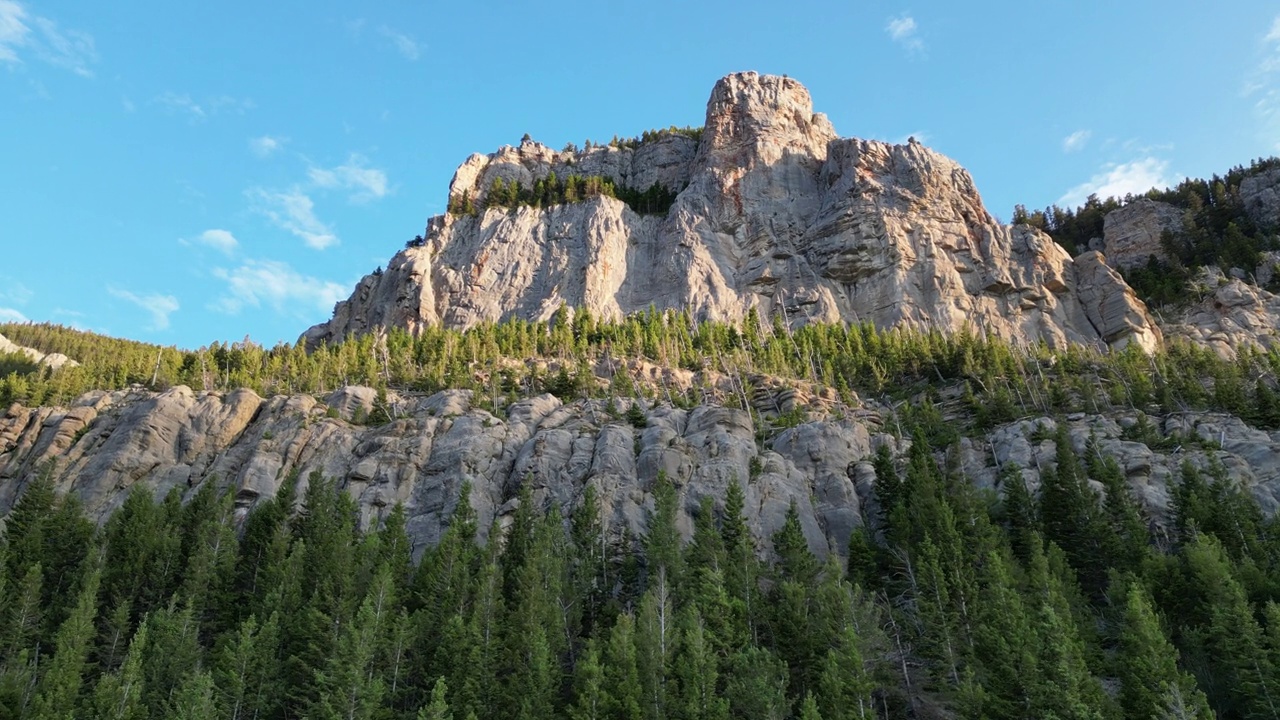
(1215, 230)
(550, 191)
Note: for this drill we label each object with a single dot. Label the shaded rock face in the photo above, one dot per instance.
(1250, 456)
(1231, 315)
(108, 444)
(775, 212)
(1132, 234)
(1260, 194)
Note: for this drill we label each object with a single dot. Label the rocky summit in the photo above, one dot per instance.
(771, 211)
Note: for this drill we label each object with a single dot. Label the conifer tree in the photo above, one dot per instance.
(118, 695)
(590, 694)
(57, 695)
(624, 697)
(438, 708)
(1146, 663)
(194, 699)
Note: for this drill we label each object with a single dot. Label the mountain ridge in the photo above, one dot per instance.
(774, 212)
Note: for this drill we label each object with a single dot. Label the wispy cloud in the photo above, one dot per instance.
(160, 307)
(13, 30)
(183, 103)
(293, 211)
(72, 50)
(12, 291)
(404, 44)
(276, 285)
(180, 103)
(1076, 141)
(1264, 86)
(1114, 180)
(266, 145)
(221, 240)
(904, 31)
(362, 182)
(11, 315)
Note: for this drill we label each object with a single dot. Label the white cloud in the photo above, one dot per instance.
(1076, 141)
(266, 145)
(903, 30)
(13, 291)
(13, 31)
(405, 45)
(221, 240)
(180, 103)
(11, 315)
(1265, 84)
(200, 110)
(1134, 177)
(277, 285)
(364, 183)
(293, 210)
(160, 307)
(68, 49)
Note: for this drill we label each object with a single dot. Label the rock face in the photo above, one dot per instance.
(107, 444)
(775, 212)
(1260, 194)
(1232, 315)
(1131, 234)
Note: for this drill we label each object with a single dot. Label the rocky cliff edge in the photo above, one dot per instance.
(775, 212)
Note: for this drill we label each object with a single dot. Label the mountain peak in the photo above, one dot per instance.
(763, 208)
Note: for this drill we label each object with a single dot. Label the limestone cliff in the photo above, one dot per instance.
(775, 212)
(105, 444)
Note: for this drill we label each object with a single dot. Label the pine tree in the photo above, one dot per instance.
(756, 685)
(697, 672)
(591, 697)
(194, 698)
(844, 686)
(244, 668)
(350, 686)
(1146, 664)
(118, 695)
(622, 676)
(438, 708)
(59, 690)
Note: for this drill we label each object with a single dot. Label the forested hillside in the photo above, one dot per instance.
(952, 603)
(1064, 600)
(1216, 230)
(583, 357)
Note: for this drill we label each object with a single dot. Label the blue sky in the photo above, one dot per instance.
(188, 172)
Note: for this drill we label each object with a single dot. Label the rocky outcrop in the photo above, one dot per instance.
(108, 444)
(1117, 316)
(52, 360)
(1260, 194)
(1229, 315)
(1248, 456)
(1132, 234)
(775, 212)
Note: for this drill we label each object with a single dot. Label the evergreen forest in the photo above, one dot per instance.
(1215, 231)
(1062, 601)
